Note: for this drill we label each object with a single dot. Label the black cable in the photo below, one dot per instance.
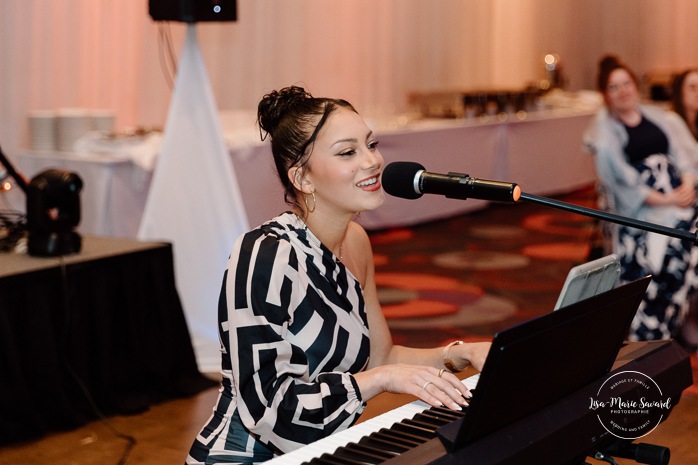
(168, 60)
(170, 48)
(66, 302)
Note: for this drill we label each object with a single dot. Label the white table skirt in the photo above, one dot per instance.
(542, 153)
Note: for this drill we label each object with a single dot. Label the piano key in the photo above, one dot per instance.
(431, 419)
(351, 453)
(388, 436)
(415, 430)
(332, 459)
(326, 459)
(447, 412)
(403, 436)
(380, 452)
(439, 417)
(422, 425)
(384, 443)
(318, 461)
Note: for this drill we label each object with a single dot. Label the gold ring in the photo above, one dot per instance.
(426, 384)
(441, 372)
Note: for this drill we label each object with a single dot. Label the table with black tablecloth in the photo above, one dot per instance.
(98, 332)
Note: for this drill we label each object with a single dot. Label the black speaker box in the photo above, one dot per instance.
(193, 11)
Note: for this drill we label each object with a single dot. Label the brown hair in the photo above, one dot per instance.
(292, 118)
(607, 65)
(677, 100)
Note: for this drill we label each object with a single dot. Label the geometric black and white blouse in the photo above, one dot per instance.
(293, 330)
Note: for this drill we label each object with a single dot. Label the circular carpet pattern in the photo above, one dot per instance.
(418, 308)
(574, 251)
(563, 224)
(414, 295)
(479, 260)
(418, 281)
(497, 232)
(487, 309)
(413, 300)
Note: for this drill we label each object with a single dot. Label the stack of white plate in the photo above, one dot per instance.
(42, 130)
(103, 120)
(71, 124)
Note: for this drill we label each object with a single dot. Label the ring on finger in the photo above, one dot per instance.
(426, 384)
(441, 372)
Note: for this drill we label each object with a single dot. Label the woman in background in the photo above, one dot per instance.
(304, 341)
(647, 175)
(684, 99)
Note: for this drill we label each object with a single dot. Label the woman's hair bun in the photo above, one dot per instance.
(609, 63)
(276, 104)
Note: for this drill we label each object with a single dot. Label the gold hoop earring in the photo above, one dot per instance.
(307, 207)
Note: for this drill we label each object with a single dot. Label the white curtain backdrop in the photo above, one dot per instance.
(106, 55)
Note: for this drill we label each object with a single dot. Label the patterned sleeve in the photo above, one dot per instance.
(278, 401)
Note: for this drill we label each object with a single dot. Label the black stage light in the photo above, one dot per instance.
(53, 213)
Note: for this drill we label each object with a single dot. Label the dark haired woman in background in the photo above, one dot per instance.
(304, 341)
(684, 99)
(646, 173)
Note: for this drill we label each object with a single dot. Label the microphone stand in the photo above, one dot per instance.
(633, 223)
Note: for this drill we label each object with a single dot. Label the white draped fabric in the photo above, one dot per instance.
(194, 200)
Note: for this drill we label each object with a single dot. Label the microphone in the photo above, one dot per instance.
(409, 180)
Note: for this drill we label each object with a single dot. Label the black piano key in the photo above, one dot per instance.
(392, 437)
(333, 459)
(429, 428)
(456, 414)
(415, 430)
(363, 454)
(435, 421)
(440, 416)
(319, 461)
(407, 437)
(384, 443)
(357, 455)
(377, 451)
(371, 450)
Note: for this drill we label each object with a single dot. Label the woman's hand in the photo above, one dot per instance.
(469, 353)
(684, 195)
(434, 386)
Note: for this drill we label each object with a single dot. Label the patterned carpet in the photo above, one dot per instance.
(470, 276)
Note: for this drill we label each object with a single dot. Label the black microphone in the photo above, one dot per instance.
(409, 180)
